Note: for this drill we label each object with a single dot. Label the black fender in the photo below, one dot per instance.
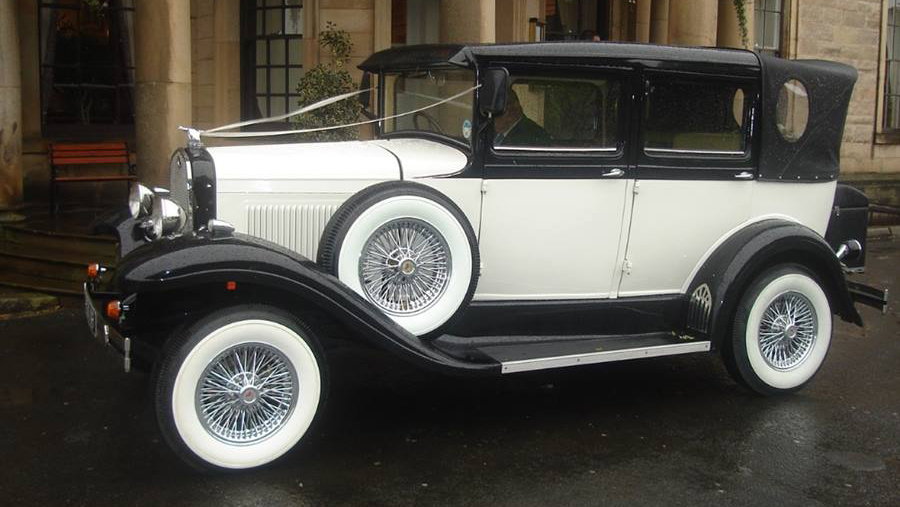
(735, 263)
(169, 266)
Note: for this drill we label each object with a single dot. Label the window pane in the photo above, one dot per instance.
(693, 116)
(759, 27)
(771, 36)
(279, 105)
(293, 19)
(295, 54)
(277, 80)
(261, 103)
(274, 22)
(261, 58)
(276, 52)
(557, 113)
(294, 75)
(261, 81)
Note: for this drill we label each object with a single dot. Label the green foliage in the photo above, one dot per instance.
(740, 8)
(327, 80)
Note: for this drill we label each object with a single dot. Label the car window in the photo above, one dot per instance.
(694, 116)
(559, 114)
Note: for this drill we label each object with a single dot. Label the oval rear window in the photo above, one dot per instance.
(792, 110)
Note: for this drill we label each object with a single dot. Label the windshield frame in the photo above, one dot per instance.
(461, 142)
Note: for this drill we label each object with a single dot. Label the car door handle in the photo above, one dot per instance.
(744, 175)
(613, 173)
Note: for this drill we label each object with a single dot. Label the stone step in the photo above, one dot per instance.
(51, 241)
(39, 284)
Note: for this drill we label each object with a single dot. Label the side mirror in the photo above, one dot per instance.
(494, 91)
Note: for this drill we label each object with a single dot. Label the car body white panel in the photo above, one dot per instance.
(673, 223)
(305, 161)
(665, 254)
(421, 158)
(549, 239)
(464, 192)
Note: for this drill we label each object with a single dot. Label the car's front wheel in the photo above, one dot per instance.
(782, 331)
(239, 388)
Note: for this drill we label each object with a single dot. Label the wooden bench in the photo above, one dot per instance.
(79, 154)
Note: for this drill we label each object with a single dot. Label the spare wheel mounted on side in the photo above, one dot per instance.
(406, 248)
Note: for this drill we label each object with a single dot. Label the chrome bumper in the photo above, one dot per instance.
(103, 331)
(869, 296)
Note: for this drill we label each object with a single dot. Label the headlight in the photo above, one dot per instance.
(167, 218)
(140, 201)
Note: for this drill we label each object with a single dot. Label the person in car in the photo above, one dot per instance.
(514, 128)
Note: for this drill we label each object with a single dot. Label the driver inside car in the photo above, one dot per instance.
(514, 128)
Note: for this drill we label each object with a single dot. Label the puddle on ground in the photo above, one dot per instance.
(856, 461)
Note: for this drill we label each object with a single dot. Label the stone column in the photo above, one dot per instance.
(659, 21)
(693, 22)
(729, 30)
(642, 21)
(468, 21)
(162, 86)
(10, 109)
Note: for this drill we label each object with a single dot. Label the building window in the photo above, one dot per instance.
(86, 68)
(892, 68)
(767, 25)
(271, 56)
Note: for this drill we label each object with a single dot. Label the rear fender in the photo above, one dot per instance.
(718, 286)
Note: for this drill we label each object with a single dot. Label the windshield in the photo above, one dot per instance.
(405, 92)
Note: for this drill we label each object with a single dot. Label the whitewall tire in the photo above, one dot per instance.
(407, 249)
(239, 388)
(782, 331)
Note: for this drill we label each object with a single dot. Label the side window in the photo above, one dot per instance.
(556, 114)
(695, 116)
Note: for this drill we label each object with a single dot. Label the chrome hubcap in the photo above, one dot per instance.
(404, 266)
(246, 393)
(787, 331)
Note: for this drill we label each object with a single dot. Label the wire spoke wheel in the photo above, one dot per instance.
(787, 331)
(246, 393)
(404, 266)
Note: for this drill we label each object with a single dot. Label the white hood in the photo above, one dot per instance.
(369, 160)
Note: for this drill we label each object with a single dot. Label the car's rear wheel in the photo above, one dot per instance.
(782, 331)
(406, 248)
(239, 388)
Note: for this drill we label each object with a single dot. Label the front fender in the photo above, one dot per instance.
(720, 283)
(178, 264)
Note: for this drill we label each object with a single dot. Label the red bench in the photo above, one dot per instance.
(92, 154)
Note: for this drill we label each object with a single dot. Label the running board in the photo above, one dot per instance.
(528, 353)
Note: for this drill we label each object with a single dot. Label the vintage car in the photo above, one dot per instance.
(521, 207)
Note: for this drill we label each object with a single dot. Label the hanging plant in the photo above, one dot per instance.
(740, 9)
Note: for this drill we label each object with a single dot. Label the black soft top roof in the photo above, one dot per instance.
(815, 156)
(467, 55)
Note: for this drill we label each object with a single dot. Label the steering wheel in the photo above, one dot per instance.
(432, 123)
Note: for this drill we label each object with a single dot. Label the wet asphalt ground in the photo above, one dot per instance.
(75, 430)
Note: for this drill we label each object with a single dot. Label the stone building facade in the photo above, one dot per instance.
(189, 63)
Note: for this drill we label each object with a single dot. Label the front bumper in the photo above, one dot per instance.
(102, 330)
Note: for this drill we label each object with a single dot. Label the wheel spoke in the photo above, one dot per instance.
(787, 331)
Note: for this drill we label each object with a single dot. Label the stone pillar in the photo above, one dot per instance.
(227, 62)
(10, 109)
(729, 31)
(468, 21)
(693, 22)
(642, 21)
(659, 21)
(162, 88)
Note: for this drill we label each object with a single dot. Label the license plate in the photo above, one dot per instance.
(90, 314)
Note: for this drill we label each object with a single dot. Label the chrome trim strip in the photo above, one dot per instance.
(555, 149)
(693, 152)
(543, 363)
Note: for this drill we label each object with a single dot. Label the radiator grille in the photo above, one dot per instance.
(297, 227)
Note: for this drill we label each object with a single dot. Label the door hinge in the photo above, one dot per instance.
(626, 267)
(636, 189)
(483, 187)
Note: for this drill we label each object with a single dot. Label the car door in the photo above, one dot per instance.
(694, 177)
(554, 185)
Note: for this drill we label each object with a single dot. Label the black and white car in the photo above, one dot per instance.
(521, 207)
